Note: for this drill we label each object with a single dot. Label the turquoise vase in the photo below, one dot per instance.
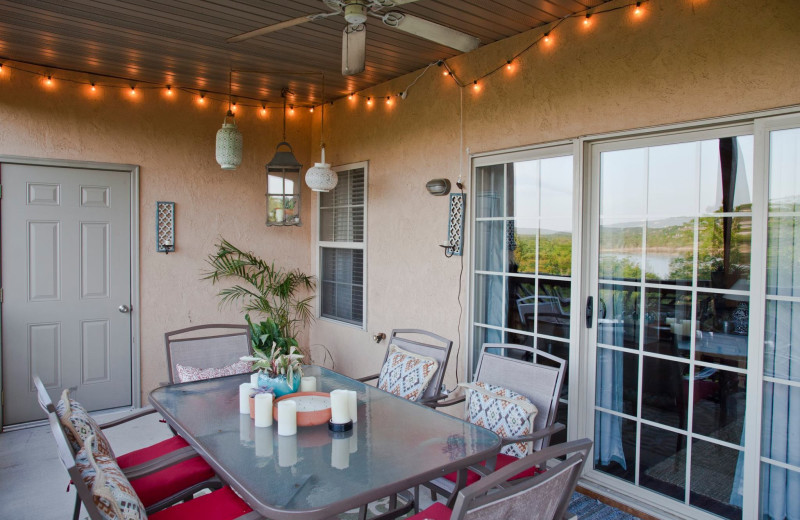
(279, 384)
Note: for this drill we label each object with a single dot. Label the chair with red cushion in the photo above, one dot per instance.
(532, 373)
(221, 504)
(163, 474)
(503, 494)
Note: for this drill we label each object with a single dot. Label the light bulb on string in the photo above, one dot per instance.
(586, 21)
(638, 10)
(291, 109)
(233, 106)
(352, 97)
(94, 88)
(547, 38)
(264, 109)
(169, 90)
(475, 86)
(369, 100)
(509, 66)
(311, 109)
(49, 80)
(388, 100)
(202, 98)
(133, 91)
(1, 68)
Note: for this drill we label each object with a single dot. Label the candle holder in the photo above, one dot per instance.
(341, 435)
(340, 427)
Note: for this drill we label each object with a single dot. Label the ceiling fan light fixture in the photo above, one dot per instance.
(355, 13)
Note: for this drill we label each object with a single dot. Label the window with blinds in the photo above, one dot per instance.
(341, 242)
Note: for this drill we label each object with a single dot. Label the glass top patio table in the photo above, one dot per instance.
(394, 445)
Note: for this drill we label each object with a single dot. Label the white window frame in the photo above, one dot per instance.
(345, 245)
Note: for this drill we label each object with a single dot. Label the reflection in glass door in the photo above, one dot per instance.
(672, 268)
(522, 283)
(780, 432)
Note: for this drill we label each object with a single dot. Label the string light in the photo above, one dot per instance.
(369, 100)
(475, 85)
(233, 106)
(388, 100)
(133, 90)
(586, 20)
(291, 109)
(263, 109)
(638, 9)
(202, 98)
(547, 37)
(49, 79)
(1, 68)
(169, 90)
(352, 97)
(311, 110)
(93, 87)
(508, 65)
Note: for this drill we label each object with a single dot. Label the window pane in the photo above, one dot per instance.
(521, 310)
(553, 308)
(726, 167)
(782, 341)
(668, 322)
(523, 200)
(615, 446)
(783, 256)
(342, 284)
(662, 467)
(342, 209)
(719, 399)
(779, 492)
(621, 249)
(673, 179)
(784, 170)
(489, 239)
(669, 254)
(713, 478)
(724, 252)
(622, 185)
(665, 392)
(521, 236)
(489, 299)
(556, 187)
(555, 246)
(483, 335)
(723, 321)
(489, 191)
(617, 383)
(618, 314)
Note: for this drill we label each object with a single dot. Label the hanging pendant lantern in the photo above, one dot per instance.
(321, 177)
(229, 144)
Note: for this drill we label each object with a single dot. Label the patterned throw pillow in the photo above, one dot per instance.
(79, 425)
(111, 490)
(188, 374)
(502, 411)
(406, 374)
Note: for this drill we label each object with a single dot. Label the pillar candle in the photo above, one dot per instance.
(354, 439)
(287, 449)
(263, 410)
(352, 404)
(308, 384)
(340, 412)
(263, 442)
(287, 417)
(245, 435)
(340, 453)
(254, 379)
(244, 397)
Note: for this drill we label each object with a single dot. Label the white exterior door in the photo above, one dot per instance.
(66, 278)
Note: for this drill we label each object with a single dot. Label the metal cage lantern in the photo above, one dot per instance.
(283, 188)
(229, 144)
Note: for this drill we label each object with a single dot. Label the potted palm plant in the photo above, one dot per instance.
(279, 294)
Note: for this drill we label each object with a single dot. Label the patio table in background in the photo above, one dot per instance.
(395, 445)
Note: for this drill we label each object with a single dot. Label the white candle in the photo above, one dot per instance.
(352, 405)
(340, 411)
(263, 410)
(254, 379)
(279, 215)
(287, 450)
(263, 442)
(354, 439)
(287, 417)
(340, 453)
(308, 384)
(244, 398)
(245, 435)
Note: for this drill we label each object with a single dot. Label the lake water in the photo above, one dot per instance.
(657, 263)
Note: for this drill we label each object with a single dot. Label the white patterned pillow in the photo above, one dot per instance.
(113, 494)
(406, 374)
(188, 374)
(502, 411)
(79, 425)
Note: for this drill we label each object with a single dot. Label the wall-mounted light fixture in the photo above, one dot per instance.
(455, 226)
(438, 187)
(165, 227)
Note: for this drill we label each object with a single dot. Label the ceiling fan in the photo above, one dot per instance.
(354, 35)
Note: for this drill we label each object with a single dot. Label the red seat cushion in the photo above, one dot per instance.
(171, 480)
(222, 504)
(437, 511)
(503, 460)
(151, 452)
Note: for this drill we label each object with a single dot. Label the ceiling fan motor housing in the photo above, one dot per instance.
(355, 12)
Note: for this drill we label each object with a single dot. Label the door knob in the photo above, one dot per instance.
(124, 309)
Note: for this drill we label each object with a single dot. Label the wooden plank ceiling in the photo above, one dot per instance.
(182, 42)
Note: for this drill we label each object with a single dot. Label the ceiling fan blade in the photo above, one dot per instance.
(354, 49)
(274, 27)
(431, 31)
(392, 3)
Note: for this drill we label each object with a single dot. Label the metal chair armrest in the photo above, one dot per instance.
(454, 398)
(535, 436)
(159, 463)
(368, 378)
(129, 417)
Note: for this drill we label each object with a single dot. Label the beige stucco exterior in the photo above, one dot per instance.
(683, 60)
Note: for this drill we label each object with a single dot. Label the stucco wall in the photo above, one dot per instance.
(172, 140)
(680, 61)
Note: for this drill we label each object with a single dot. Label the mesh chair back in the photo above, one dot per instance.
(68, 460)
(425, 344)
(44, 398)
(223, 347)
(541, 383)
(496, 497)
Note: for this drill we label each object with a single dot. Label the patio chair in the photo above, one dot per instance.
(113, 491)
(545, 496)
(390, 378)
(206, 356)
(162, 474)
(539, 379)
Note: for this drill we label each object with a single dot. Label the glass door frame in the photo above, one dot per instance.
(544, 151)
(592, 149)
